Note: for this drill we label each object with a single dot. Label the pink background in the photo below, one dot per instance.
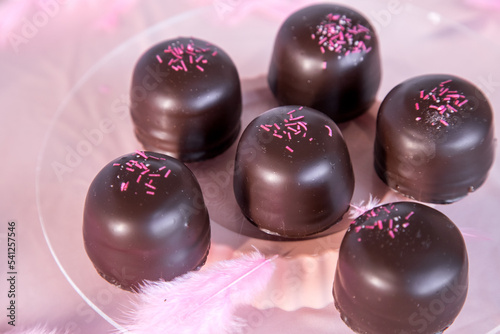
(56, 49)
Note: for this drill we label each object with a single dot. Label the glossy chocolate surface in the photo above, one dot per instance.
(326, 57)
(293, 175)
(434, 138)
(402, 268)
(186, 99)
(145, 219)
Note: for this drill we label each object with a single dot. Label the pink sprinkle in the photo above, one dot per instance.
(124, 186)
(310, 139)
(141, 154)
(418, 118)
(330, 132)
(324, 65)
(291, 111)
(380, 225)
(150, 192)
(463, 102)
(277, 126)
(289, 135)
(214, 53)
(184, 66)
(362, 28)
(159, 59)
(421, 94)
(409, 215)
(139, 178)
(265, 128)
(301, 107)
(200, 68)
(154, 175)
(370, 227)
(277, 135)
(313, 36)
(162, 168)
(289, 148)
(359, 239)
(444, 82)
(167, 173)
(358, 228)
(190, 59)
(390, 223)
(386, 210)
(296, 118)
(405, 225)
(391, 233)
(150, 186)
(116, 164)
(130, 169)
(444, 122)
(444, 91)
(322, 49)
(417, 106)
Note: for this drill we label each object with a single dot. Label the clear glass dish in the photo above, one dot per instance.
(92, 126)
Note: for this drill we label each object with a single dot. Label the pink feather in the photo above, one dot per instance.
(203, 301)
(358, 210)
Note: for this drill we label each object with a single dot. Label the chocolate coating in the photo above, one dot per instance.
(186, 99)
(402, 268)
(293, 175)
(434, 138)
(145, 219)
(326, 57)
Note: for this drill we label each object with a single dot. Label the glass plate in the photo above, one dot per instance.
(92, 126)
